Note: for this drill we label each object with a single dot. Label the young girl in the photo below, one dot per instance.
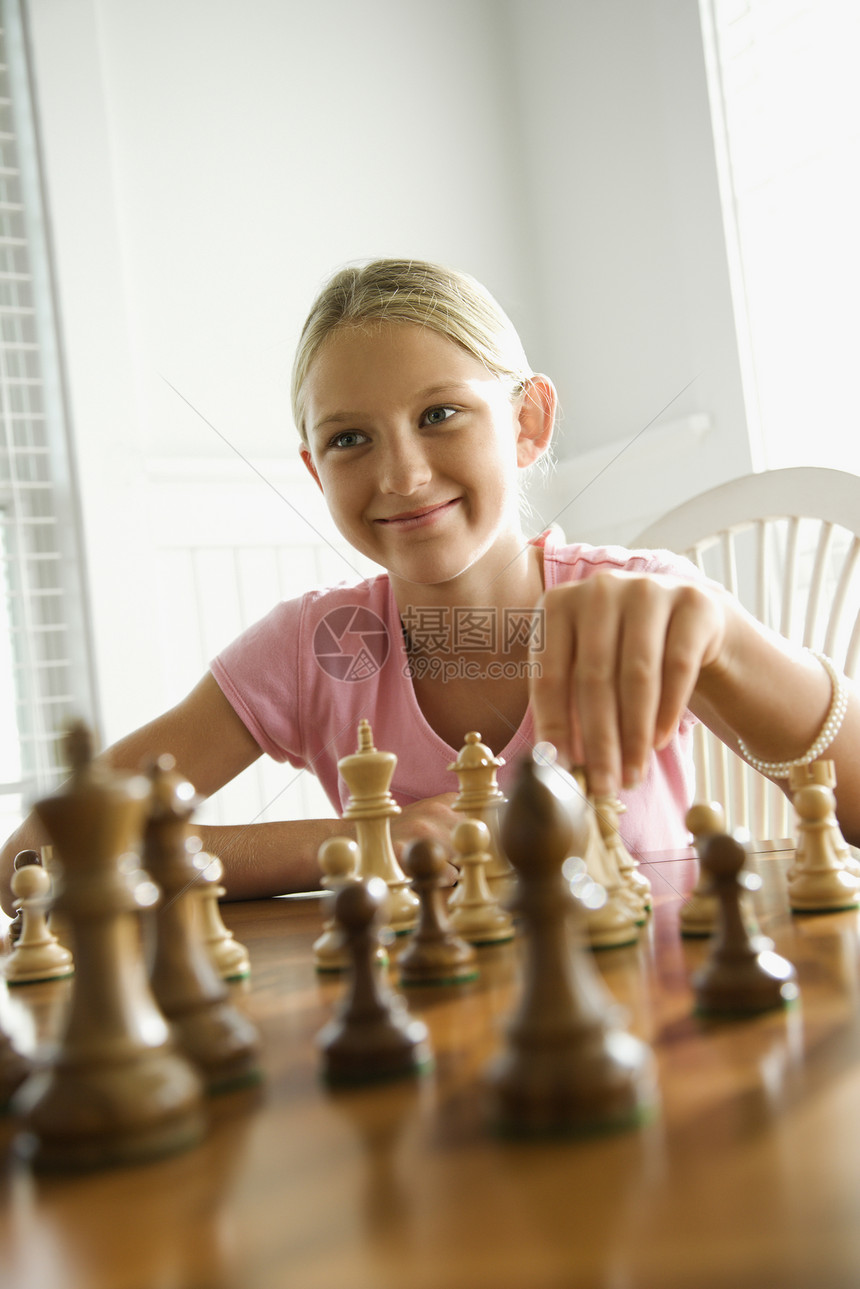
(418, 411)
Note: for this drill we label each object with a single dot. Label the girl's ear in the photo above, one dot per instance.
(305, 454)
(536, 419)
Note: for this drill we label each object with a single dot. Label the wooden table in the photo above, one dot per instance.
(749, 1175)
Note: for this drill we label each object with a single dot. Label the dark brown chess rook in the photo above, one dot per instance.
(742, 975)
(219, 1039)
(435, 954)
(116, 1091)
(568, 1065)
(373, 1036)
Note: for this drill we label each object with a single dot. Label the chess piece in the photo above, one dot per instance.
(229, 957)
(339, 860)
(568, 1065)
(116, 1091)
(56, 920)
(819, 881)
(700, 911)
(824, 772)
(480, 797)
(742, 975)
(373, 1036)
(610, 918)
(367, 773)
(217, 1037)
(434, 954)
(607, 810)
(477, 916)
(22, 860)
(37, 954)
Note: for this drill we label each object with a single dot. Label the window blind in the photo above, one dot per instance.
(45, 650)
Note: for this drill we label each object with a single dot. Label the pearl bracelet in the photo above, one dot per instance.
(832, 724)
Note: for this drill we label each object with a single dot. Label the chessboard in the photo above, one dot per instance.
(747, 1173)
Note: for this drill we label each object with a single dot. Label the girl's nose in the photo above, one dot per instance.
(404, 469)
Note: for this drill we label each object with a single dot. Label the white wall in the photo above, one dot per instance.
(632, 268)
(209, 164)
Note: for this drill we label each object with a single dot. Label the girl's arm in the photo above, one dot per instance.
(203, 733)
(625, 653)
(211, 746)
(281, 857)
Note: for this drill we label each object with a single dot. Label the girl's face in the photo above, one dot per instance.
(416, 447)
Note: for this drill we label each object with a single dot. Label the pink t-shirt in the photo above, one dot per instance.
(303, 677)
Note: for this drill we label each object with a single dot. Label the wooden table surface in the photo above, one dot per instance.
(748, 1176)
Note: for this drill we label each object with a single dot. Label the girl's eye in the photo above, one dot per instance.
(438, 415)
(347, 439)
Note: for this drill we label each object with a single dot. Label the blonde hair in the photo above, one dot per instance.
(448, 302)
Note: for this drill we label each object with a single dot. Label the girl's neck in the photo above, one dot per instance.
(507, 577)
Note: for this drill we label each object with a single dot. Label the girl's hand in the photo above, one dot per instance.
(622, 655)
(432, 818)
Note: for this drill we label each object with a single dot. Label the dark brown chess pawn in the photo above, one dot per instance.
(116, 1091)
(568, 1065)
(373, 1036)
(218, 1038)
(742, 975)
(435, 954)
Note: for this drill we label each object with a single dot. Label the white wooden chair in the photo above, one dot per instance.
(787, 544)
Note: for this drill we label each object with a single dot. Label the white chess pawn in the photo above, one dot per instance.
(38, 954)
(229, 956)
(476, 916)
(821, 771)
(700, 911)
(819, 881)
(480, 797)
(339, 859)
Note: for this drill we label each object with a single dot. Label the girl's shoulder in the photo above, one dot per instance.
(571, 561)
(371, 593)
(290, 624)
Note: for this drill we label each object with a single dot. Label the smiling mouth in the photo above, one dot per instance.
(414, 518)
